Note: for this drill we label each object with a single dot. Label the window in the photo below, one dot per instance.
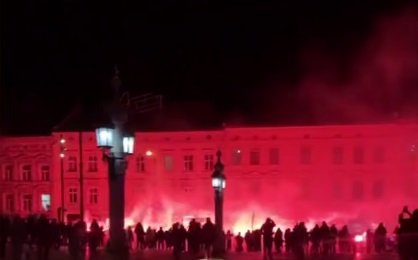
(72, 164)
(236, 157)
(358, 190)
(305, 155)
(72, 192)
(209, 162)
(94, 196)
(46, 202)
(27, 203)
(254, 157)
(10, 203)
(92, 164)
(274, 156)
(168, 163)
(358, 155)
(8, 173)
(378, 190)
(27, 173)
(337, 155)
(379, 154)
(188, 163)
(140, 163)
(45, 173)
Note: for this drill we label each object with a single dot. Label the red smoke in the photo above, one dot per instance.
(380, 81)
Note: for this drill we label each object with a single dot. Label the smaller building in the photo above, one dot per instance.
(26, 175)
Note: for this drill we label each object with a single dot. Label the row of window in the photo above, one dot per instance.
(27, 203)
(26, 173)
(255, 158)
(189, 164)
(73, 195)
(337, 157)
(92, 164)
(358, 192)
(358, 155)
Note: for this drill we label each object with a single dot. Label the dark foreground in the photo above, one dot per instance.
(163, 255)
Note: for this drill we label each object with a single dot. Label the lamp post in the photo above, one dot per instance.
(62, 155)
(116, 144)
(218, 184)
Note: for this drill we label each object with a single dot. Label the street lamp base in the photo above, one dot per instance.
(219, 248)
(120, 251)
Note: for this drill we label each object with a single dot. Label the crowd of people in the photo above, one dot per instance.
(42, 235)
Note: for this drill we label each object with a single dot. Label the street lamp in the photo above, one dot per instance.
(116, 144)
(61, 211)
(219, 184)
(128, 144)
(104, 137)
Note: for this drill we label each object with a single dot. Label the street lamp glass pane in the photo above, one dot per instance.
(216, 182)
(128, 144)
(104, 137)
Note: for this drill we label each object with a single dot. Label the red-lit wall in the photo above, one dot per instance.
(16, 153)
(289, 191)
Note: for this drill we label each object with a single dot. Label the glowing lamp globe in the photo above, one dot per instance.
(128, 144)
(104, 137)
(218, 182)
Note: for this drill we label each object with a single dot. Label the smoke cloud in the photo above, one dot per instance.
(381, 80)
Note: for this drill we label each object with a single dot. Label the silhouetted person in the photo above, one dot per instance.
(228, 240)
(344, 240)
(94, 236)
(193, 236)
(239, 241)
(160, 239)
(315, 239)
(325, 238)
(249, 241)
(129, 237)
(288, 240)
(267, 231)
(4, 235)
(55, 234)
(18, 237)
(178, 236)
(278, 240)
(408, 235)
(380, 238)
(44, 237)
(209, 233)
(257, 240)
(333, 234)
(300, 238)
(140, 236)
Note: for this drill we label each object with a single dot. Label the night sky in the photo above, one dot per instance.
(224, 58)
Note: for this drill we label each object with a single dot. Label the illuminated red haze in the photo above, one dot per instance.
(358, 175)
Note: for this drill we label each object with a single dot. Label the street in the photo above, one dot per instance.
(163, 255)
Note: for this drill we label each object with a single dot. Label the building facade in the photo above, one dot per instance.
(363, 173)
(26, 175)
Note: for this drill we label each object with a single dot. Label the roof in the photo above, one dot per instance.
(83, 117)
(191, 117)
